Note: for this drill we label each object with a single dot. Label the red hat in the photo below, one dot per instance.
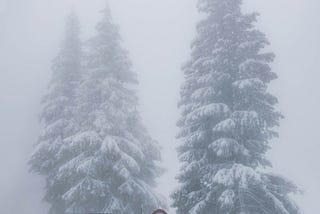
(159, 211)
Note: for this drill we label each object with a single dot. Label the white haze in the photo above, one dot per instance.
(158, 35)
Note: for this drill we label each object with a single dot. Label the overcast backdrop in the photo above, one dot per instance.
(158, 36)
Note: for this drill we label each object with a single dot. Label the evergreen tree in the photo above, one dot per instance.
(228, 119)
(59, 117)
(113, 164)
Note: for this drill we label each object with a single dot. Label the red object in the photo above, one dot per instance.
(159, 211)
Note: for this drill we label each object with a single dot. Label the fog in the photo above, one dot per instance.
(157, 35)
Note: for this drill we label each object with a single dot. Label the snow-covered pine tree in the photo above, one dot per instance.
(59, 117)
(113, 163)
(228, 119)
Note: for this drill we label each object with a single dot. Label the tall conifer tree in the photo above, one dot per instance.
(113, 163)
(228, 119)
(59, 116)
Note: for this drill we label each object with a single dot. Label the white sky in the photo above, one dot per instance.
(158, 35)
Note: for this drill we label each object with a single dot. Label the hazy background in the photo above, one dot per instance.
(158, 35)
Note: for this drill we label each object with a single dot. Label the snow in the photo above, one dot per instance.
(226, 148)
(195, 137)
(247, 44)
(88, 185)
(86, 136)
(130, 163)
(206, 78)
(247, 120)
(198, 208)
(52, 106)
(110, 145)
(278, 205)
(133, 148)
(87, 166)
(202, 93)
(246, 64)
(83, 141)
(249, 83)
(212, 77)
(237, 174)
(69, 168)
(114, 205)
(226, 126)
(227, 199)
(55, 128)
(215, 110)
